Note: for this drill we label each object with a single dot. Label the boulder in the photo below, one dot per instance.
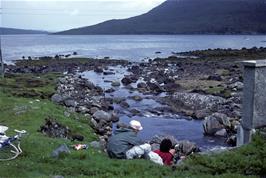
(186, 148)
(115, 83)
(89, 85)
(110, 90)
(195, 101)
(56, 98)
(83, 109)
(211, 125)
(102, 115)
(126, 80)
(124, 104)
(223, 119)
(114, 117)
(221, 133)
(142, 85)
(70, 103)
(155, 87)
(237, 85)
(136, 98)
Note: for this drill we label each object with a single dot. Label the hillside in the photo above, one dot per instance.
(14, 31)
(189, 17)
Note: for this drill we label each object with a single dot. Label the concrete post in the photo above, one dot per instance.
(254, 100)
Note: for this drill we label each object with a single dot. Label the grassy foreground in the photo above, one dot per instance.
(28, 112)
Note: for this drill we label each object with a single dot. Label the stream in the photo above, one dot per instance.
(153, 122)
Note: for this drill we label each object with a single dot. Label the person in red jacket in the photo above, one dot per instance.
(165, 152)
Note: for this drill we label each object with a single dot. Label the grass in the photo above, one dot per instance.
(29, 114)
(29, 85)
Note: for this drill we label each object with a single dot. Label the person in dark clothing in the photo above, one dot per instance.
(123, 140)
(165, 152)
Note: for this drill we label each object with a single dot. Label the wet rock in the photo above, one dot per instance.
(231, 140)
(211, 125)
(102, 115)
(135, 112)
(135, 69)
(89, 84)
(118, 100)
(114, 117)
(136, 98)
(223, 119)
(108, 73)
(186, 148)
(126, 80)
(115, 83)
(201, 114)
(155, 87)
(142, 85)
(124, 104)
(221, 133)
(110, 90)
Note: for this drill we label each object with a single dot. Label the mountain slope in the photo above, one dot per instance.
(14, 31)
(189, 17)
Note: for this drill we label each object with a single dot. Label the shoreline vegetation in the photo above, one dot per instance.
(31, 91)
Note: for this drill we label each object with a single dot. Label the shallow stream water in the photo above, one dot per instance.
(178, 126)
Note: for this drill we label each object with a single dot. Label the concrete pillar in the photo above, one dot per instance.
(254, 100)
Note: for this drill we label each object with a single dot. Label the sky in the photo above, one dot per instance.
(57, 15)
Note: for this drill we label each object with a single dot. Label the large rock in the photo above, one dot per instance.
(56, 98)
(195, 101)
(142, 85)
(115, 83)
(70, 103)
(237, 86)
(186, 147)
(102, 115)
(155, 87)
(126, 80)
(211, 125)
(223, 119)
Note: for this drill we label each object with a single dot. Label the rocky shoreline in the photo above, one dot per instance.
(208, 88)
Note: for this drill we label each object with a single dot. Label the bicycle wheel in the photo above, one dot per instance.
(8, 152)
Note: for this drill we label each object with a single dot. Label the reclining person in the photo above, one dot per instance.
(125, 144)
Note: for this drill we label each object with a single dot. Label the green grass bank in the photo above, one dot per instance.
(20, 109)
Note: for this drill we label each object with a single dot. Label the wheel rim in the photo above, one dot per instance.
(8, 152)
